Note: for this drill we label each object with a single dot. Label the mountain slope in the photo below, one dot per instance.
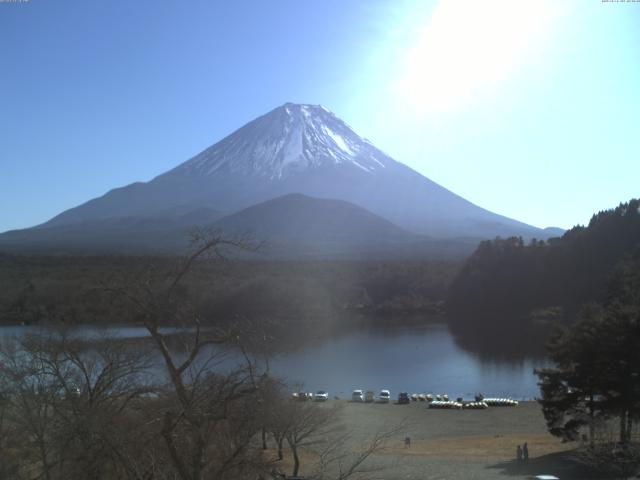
(302, 149)
(291, 226)
(163, 233)
(296, 225)
(299, 218)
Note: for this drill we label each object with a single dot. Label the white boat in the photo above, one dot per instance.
(445, 404)
(501, 402)
(475, 405)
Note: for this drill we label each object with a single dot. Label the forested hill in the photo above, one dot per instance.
(509, 293)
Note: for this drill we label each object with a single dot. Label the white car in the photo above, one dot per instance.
(357, 396)
(321, 396)
(385, 396)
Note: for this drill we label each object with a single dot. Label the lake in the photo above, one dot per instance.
(413, 359)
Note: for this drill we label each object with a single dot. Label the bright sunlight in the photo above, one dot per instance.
(469, 47)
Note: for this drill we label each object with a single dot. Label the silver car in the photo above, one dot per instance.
(321, 396)
(357, 396)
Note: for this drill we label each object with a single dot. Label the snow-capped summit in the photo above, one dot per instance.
(288, 139)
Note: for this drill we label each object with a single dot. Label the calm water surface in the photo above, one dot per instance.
(425, 359)
(412, 359)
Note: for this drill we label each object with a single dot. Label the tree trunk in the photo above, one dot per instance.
(198, 456)
(167, 433)
(279, 441)
(42, 447)
(592, 426)
(623, 427)
(296, 461)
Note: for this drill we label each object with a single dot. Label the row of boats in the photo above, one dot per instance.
(427, 397)
(435, 401)
(480, 402)
(481, 405)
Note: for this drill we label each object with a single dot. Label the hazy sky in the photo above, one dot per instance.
(529, 109)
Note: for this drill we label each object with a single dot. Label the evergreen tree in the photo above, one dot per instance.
(597, 363)
(498, 293)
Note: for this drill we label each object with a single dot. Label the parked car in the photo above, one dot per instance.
(357, 396)
(385, 396)
(403, 397)
(321, 396)
(368, 396)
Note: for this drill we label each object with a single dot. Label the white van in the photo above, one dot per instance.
(385, 396)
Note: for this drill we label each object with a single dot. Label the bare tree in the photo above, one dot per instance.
(309, 424)
(339, 462)
(207, 423)
(75, 409)
(278, 422)
(317, 430)
(9, 436)
(65, 402)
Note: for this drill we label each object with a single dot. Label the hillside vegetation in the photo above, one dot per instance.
(298, 298)
(509, 294)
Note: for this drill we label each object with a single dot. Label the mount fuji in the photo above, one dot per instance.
(293, 149)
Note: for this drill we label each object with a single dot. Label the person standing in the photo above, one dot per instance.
(519, 454)
(525, 453)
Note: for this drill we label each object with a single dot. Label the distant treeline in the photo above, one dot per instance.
(297, 298)
(509, 294)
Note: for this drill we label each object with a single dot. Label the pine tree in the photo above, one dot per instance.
(597, 363)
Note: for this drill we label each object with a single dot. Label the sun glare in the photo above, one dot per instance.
(467, 47)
